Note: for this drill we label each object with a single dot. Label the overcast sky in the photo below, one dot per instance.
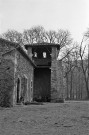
(51, 14)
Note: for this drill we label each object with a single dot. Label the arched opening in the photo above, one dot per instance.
(35, 54)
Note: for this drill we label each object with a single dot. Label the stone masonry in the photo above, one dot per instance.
(56, 72)
(57, 89)
(15, 65)
(17, 72)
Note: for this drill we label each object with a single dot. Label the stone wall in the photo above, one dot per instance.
(6, 73)
(23, 69)
(6, 82)
(30, 52)
(54, 93)
(14, 64)
(6, 46)
(57, 89)
(60, 81)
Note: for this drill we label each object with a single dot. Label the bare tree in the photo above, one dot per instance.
(84, 64)
(71, 65)
(51, 36)
(63, 38)
(34, 35)
(87, 36)
(38, 34)
(13, 36)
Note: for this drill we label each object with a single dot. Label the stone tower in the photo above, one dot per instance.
(48, 77)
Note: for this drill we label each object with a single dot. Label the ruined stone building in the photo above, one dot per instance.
(16, 74)
(29, 75)
(48, 81)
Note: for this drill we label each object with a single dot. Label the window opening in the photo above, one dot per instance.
(35, 54)
(18, 90)
(31, 85)
(44, 55)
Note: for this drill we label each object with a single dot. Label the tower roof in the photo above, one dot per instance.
(43, 44)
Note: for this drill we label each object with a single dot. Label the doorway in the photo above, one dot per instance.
(18, 90)
(42, 85)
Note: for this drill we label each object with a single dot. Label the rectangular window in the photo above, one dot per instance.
(44, 55)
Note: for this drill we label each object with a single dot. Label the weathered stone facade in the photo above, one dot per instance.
(57, 88)
(23, 71)
(54, 76)
(6, 82)
(16, 74)
(21, 80)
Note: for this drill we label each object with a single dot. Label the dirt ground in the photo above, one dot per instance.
(69, 118)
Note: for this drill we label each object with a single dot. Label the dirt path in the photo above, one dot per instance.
(69, 118)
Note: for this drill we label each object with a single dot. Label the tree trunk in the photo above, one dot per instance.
(71, 86)
(86, 79)
(88, 73)
(87, 88)
(67, 86)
